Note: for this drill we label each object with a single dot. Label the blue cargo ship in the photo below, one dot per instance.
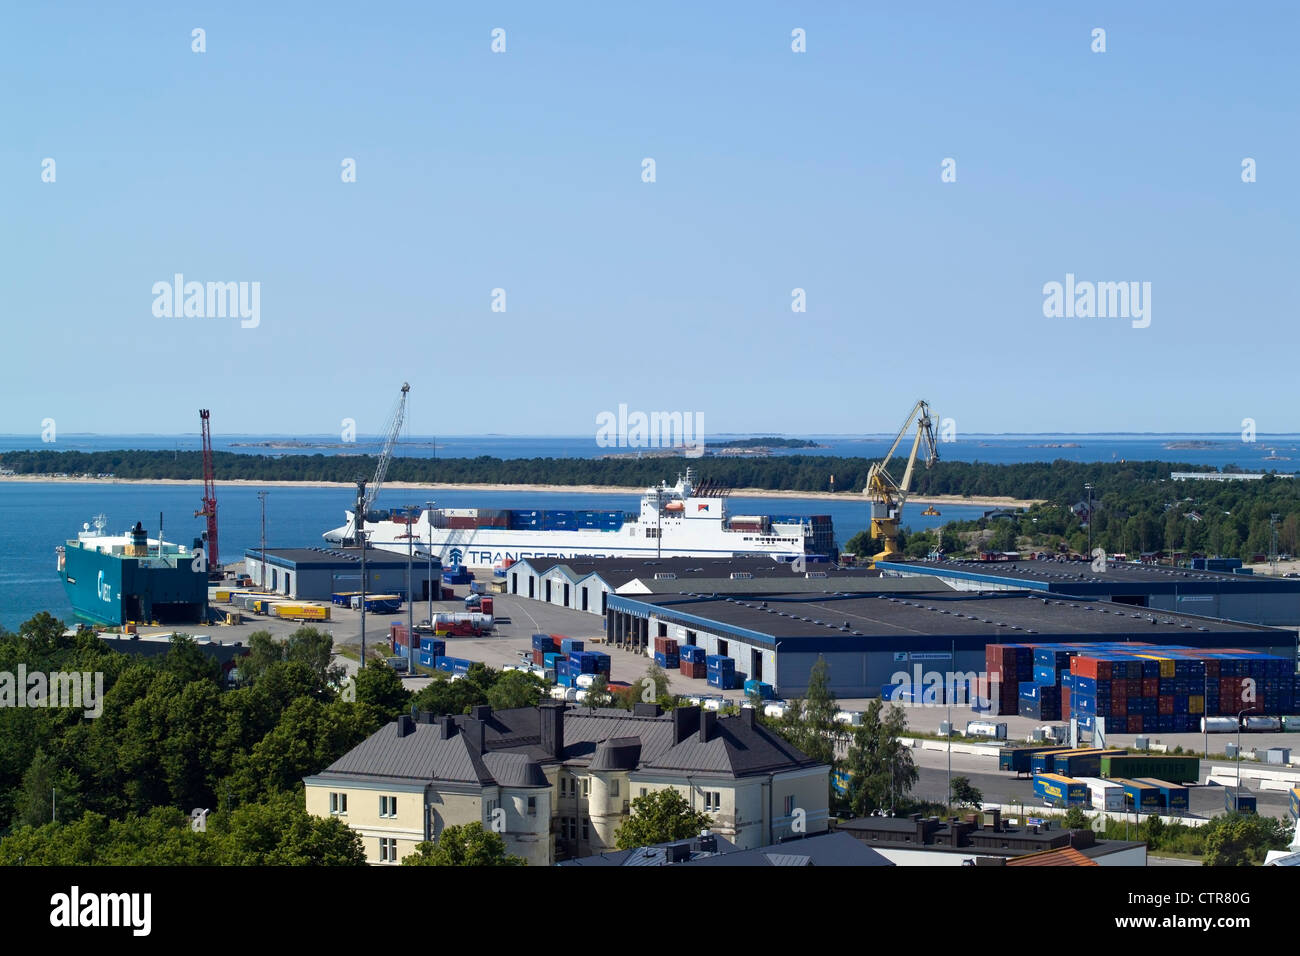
(132, 578)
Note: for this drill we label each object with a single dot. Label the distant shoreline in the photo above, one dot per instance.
(986, 502)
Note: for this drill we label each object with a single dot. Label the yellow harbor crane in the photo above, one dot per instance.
(887, 496)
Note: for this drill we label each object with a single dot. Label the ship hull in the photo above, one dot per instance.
(110, 590)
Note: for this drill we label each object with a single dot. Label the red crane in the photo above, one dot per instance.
(209, 495)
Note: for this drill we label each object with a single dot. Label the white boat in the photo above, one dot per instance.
(680, 520)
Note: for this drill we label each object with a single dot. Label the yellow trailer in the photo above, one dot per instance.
(302, 612)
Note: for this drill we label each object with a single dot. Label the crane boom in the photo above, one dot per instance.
(209, 509)
(888, 496)
(390, 440)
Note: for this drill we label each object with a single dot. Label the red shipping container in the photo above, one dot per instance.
(539, 657)
(1065, 703)
(1119, 706)
(1135, 723)
(1118, 687)
(485, 605)
(1151, 687)
(1165, 704)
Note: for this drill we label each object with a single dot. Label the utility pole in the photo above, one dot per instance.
(1237, 791)
(261, 497)
(947, 692)
(1272, 550)
(358, 527)
(428, 517)
(410, 597)
(1088, 488)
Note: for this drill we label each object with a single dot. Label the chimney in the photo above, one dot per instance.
(405, 726)
(551, 718)
(481, 711)
(686, 720)
(641, 709)
(446, 727)
(708, 726)
(747, 715)
(475, 732)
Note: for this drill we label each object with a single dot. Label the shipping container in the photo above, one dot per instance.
(1019, 759)
(986, 728)
(1059, 791)
(1082, 763)
(763, 690)
(1104, 794)
(1045, 760)
(1295, 804)
(1142, 797)
(1178, 768)
(1173, 796)
(1240, 800)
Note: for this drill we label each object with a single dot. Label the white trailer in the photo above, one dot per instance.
(1104, 794)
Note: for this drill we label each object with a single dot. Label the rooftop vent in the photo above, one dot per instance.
(667, 576)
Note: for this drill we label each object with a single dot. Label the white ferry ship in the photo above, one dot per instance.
(681, 520)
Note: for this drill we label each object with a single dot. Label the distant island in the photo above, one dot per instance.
(764, 443)
(1188, 445)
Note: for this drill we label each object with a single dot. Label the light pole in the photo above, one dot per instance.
(1237, 790)
(1087, 486)
(410, 606)
(428, 518)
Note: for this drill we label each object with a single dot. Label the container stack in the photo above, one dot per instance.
(568, 644)
(588, 662)
(720, 672)
(1008, 665)
(693, 664)
(452, 665)
(763, 690)
(666, 653)
(431, 648)
(1039, 701)
(543, 644)
(399, 637)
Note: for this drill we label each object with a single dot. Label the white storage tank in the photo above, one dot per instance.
(774, 710)
(986, 728)
(1262, 723)
(852, 718)
(1218, 725)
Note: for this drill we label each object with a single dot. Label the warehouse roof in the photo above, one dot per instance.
(616, 572)
(327, 558)
(855, 622)
(1077, 577)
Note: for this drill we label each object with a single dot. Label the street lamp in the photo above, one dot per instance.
(1238, 787)
(1087, 486)
(428, 518)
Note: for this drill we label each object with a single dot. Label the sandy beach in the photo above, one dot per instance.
(576, 489)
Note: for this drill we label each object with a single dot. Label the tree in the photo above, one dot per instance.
(381, 687)
(45, 788)
(1075, 818)
(442, 695)
(660, 817)
(598, 694)
(966, 794)
(1242, 839)
(467, 844)
(515, 689)
(809, 723)
(280, 832)
(880, 767)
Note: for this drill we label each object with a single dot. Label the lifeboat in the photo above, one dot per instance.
(932, 511)
(675, 506)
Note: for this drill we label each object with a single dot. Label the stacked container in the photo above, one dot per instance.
(692, 662)
(720, 672)
(763, 690)
(588, 662)
(568, 644)
(666, 653)
(1009, 665)
(1040, 701)
(543, 644)
(431, 648)
(452, 665)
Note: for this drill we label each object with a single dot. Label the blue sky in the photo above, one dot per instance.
(774, 171)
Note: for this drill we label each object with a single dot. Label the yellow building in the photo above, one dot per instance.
(557, 781)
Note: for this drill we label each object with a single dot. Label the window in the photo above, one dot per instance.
(644, 791)
(789, 806)
(338, 803)
(532, 806)
(712, 801)
(388, 806)
(387, 850)
(586, 786)
(569, 828)
(613, 788)
(586, 828)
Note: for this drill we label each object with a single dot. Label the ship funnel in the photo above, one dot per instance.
(139, 546)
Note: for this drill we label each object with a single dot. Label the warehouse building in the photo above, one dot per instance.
(584, 584)
(866, 640)
(313, 574)
(1255, 599)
